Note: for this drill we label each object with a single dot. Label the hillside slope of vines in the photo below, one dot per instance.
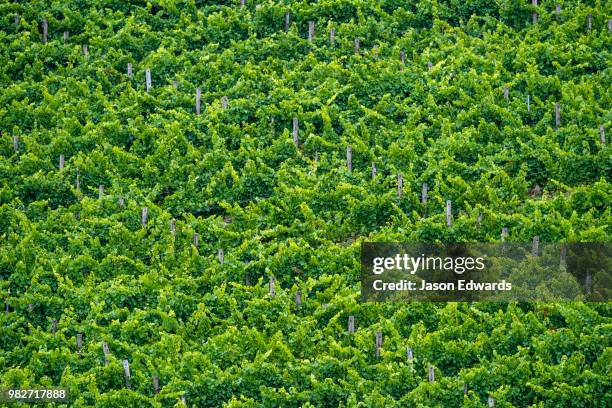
(501, 107)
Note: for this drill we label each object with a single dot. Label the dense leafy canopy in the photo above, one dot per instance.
(210, 330)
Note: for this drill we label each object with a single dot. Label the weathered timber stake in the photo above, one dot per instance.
(78, 180)
(449, 221)
(602, 135)
(287, 20)
(173, 226)
(45, 28)
(106, 352)
(61, 161)
(400, 185)
(101, 191)
(66, 35)
(296, 139)
(588, 282)
(298, 298)
(311, 28)
(378, 343)
(431, 374)
(375, 51)
(589, 22)
(224, 102)
(349, 158)
(121, 201)
(351, 324)
(356, 45)
(403, 57)
(535, 246)
(221, 255)
(409, 354)
(562, 257)
(491, 402)
(332, 36)
(558, 9)
(196, 240)
(148, 79)
(79, 341)
(53, 326)
(424, 194)
(373, 170)
(16, 143)
(506, 92)
(504, 234)
(242, 3)
(465, 388)
(175, 84)
(272, 286)
(198, 100)
(144, 215)
(16, 20)
(557, 115)
(155, 384)
(129, 69)
(528, 104)
(85, 51)
(534, 14)
(126, 371)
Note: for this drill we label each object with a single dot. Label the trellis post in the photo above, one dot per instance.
(448, 213)
(295, 131)
(126, 371)
(144, 215)
(198, 100)
(148, 79)
(351, 324)
(349, 158)
(535, 245)
(45, 28)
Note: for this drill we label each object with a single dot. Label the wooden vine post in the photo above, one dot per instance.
(221, 255)
(403, 57)
(100, 191)
(431, 375)
(198, 99)
(196, 240)
(144, 214)
(534, 14)
(66, 35)
(356, 45)
(400, 185)
(557, 115)
(602, 135)
(311, 30)
(126, 372)
(506, 92)
(79, 341)
(129, 69)
(298, 299)
(148, 79)
(16, 143)
(296, 140)
(504, 234)
(106, 352)
(449, 221)
(379, 342)
(61, 161)
(332, 36)
(373, 171)
(562, 257)
(156, 384)
(349, 158)
(409, 354)
(287, 20)
(351, 324)
(173, 226)
(272, 286)
(53, 326)
(45, 30)
(535, 246)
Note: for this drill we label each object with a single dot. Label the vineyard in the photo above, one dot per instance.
(185, 186)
